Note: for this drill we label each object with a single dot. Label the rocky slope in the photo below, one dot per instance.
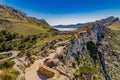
(13, 19)
(91, 50)
(7, 12)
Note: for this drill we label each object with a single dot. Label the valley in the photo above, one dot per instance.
(30, 49)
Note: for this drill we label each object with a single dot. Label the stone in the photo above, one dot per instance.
(49, 72)
(51, 63)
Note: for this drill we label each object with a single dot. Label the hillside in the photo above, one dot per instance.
(95, 51)
(17, 21)
(22, 38)
(115, 26)
(31, 49)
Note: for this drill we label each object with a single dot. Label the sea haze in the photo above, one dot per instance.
(66, 29)
(70, 27)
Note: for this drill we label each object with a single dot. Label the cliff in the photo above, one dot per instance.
(91, 48)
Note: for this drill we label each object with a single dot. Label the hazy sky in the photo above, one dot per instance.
(67, 11)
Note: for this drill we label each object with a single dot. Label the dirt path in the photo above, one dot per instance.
(59, 50)
(14, 54)
(0, 71)
(32, 73)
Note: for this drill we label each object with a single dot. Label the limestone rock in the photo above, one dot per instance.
(51, 63)
(49, 72)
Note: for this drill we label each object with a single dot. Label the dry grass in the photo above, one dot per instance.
(115, 26)
(41, 43)
(27, 29)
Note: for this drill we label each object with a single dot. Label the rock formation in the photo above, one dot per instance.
(90, 40)
(49, 72)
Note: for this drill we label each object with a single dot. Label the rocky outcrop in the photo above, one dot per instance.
(19, 15)
(90, 40)
(110, 20)
(51, 63)
(11, 11)
(49, 72)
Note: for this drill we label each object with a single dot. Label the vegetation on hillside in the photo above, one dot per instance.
(9, 74)
(3, 56)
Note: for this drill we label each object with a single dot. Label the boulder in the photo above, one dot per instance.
(51, 63)
(49, 72)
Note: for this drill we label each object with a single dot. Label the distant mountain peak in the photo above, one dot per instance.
(70, 25)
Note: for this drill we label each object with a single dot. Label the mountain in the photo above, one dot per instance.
(17, 21)
(96, 51)
(115, 26)
(70, 26)
(30, 49)
(111, 22)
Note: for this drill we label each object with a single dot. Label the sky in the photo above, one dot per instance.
(57, 12)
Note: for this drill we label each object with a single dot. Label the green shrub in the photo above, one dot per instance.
(87, 69)
(74, 65)
(3, 56)
(92, 49)
(62, 58)
(6, 64)
(86, 72)
(9, 74)
(20, 54)
(7, 36)
(2, 38)
(5, 47)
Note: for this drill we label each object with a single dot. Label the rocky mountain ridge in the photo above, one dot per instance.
(92, 42)
(9, 13)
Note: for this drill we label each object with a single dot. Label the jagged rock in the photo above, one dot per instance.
(92, 38)
(45, 53)
(13, 11)
(51, 63)
(49, 72)
(115, 53)
(62, 69)
(33, 57)
(17, 14)
(110, 20)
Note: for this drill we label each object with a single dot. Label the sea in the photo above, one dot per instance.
(66, 29)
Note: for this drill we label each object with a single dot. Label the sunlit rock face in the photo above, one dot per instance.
(95, 34)
(90, 40)
(110, 20)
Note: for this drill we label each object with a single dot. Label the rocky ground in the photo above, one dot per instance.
(91, 55)
(31, 72)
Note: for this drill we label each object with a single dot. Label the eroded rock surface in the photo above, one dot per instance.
(90, 40)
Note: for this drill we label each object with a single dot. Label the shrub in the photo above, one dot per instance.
(20, 54)
(9, 74)
(6, 64)
(3, 56)
(2, 38)
(7, 36)
(86, 72)
(74, 65)
(93, 51)
(5, 47)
